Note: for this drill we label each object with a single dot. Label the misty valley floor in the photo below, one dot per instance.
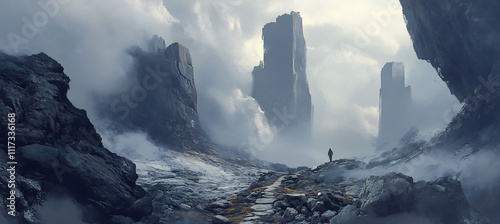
(196, 188)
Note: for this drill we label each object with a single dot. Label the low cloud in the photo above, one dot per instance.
(90, 39)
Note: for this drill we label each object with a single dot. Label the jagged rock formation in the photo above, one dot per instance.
(335, 193)
(280, 82)
(395, 102)
(162, 100)
(58, 149)
(395, 198)
(460, 39)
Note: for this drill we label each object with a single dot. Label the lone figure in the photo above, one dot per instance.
(330, 154)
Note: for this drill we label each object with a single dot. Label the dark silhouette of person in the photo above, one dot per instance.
(330, 154)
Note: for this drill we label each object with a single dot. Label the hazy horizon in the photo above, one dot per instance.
(347, 45)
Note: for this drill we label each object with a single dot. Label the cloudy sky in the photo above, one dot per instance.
(348, 42)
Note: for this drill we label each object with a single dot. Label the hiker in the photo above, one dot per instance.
(330, 154)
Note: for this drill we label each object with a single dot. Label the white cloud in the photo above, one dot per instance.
(244, 122)
(224, 37)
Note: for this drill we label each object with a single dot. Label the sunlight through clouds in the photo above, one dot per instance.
(348, 42)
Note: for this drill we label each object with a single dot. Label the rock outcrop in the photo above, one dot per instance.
(395, 102)
(280, 82)
(460, 39)
(57, 149)
(395, 198)
(162, 98)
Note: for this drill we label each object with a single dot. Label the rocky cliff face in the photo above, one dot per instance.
(459, 38)
(280, 82)
(395, 102)
(57, 148)
(162, 98)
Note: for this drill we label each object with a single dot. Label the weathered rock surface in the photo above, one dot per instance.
(395, 197)
(280, 82)
(395, 106)
(161, 99)
(460, 39)
(219, 219)
(386, 195)
(57, 147)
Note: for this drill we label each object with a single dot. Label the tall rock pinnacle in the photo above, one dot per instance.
(280, 82)
(395, 101)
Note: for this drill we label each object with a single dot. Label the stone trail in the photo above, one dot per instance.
(264, 204)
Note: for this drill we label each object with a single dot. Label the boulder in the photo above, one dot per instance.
(290, 214)
(310, 203)
(395, 198)
(387, 195)
(219, 204)
(296, 199)
(319, 207)
(346, 215)
(280, 204)
(327, 216)
(219, 219)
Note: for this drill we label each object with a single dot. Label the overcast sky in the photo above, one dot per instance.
(348, 43)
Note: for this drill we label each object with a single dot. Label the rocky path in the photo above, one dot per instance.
(299, 197)
(264, 204)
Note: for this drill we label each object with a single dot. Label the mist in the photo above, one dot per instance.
(478, 172)
(60, 209)
(90, 39)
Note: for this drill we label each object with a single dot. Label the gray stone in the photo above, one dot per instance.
(280, 204)
(460, 22)
(388, 194)
(310, 203)
(252, 218)
(184, 207)
(304, 211)
(118, 219)
(57, 143)
(219, 204)
(315, 218)
(265, 200)
(42, 156)
(300, 217)
(319, 207)
(296, 199)
(219, 219)
(262, 207)
(328, 215)
(290, 214)
(264, 213)
(328, 203)
(345, 216)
